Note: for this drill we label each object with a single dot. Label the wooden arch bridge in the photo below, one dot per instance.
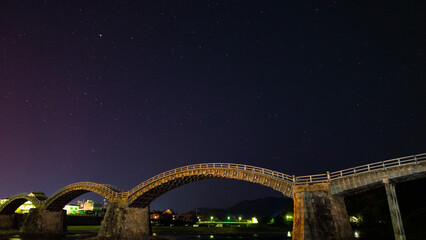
(310, 193)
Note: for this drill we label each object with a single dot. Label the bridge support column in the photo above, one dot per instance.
(319, 215)
(124, 222)
(7, 221)
(398, 228)
(44, 222)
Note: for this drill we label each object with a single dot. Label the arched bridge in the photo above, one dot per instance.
(143, 194)
(17, 200)
(131, 208)
(60, 198)
(342, 182)
(351, 180)
(63, 196)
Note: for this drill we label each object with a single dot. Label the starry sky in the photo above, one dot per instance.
(117, 92)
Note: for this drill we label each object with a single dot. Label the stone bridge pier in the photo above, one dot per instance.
(7, 221)
(124, 222)
(44, 222)
(319, 215)
(120, 222)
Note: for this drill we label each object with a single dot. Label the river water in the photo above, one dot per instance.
(221, 237)
(160, 237)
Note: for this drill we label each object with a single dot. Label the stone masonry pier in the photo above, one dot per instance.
(7, 222)
(124, 222)
(319, 215)
(44, 222)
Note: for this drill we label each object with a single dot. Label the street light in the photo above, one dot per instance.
(211, 219)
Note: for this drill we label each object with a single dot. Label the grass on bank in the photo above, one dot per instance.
(93, 229)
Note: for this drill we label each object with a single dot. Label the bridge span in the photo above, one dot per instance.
(319, 207)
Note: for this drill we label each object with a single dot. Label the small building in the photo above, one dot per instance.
(72, 209)
(170, 215)
(88, 205)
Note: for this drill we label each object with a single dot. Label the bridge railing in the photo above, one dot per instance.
(326, 177)
(115, 188)
(14, 196)
(311, 178)
(317, 178)
(298, 180)
(249, 168)
(34, 200)
(105, 187)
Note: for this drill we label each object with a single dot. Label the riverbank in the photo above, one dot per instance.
(175, 232)
(8, 232)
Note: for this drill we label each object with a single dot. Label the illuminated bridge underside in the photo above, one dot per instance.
(14, 202)
(62, 197)
(146, 193)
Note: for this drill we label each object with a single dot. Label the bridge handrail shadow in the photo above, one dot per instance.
(327, 177)
(264, 171)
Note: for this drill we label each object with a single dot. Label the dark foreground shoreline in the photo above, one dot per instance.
(164, 233)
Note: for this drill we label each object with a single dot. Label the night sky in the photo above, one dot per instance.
(117, 92)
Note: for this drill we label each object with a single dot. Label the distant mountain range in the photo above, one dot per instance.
(269, 206)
